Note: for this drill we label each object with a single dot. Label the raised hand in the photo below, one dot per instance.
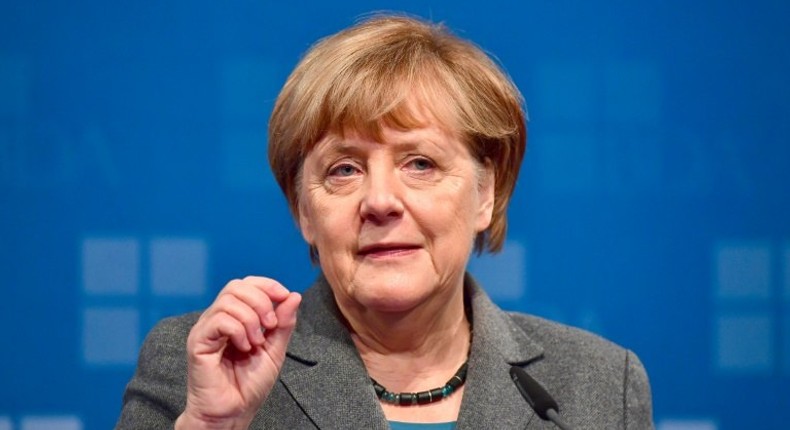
(235, 352)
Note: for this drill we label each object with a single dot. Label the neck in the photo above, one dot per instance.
(414, 350)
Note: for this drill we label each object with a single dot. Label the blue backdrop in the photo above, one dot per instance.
(653, 206)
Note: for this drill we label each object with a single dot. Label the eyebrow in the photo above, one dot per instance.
(342, 146)
(411, 140)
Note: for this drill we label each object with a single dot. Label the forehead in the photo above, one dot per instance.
(414, 119)
(402, 139)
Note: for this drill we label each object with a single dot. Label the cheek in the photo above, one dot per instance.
(448, 213)
(331, 219)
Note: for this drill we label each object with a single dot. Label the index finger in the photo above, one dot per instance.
(275, 290)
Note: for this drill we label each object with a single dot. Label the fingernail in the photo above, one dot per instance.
(270, 319)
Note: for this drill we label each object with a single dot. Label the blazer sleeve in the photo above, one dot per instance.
(156, 395)
(638, 403)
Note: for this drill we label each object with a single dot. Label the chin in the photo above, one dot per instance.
(389, 304)
(391, 296)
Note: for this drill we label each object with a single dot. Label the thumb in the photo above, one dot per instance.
(286, 322)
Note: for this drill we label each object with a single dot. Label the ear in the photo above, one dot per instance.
(486, 193)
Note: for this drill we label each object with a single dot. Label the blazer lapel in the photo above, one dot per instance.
(331, 383)
(491, 399)
(332, 387)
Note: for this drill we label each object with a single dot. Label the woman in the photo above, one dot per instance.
(397, 146)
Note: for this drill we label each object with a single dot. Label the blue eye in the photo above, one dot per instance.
(421, 164)
(343, 170)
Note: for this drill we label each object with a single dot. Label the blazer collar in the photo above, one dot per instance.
(491, 399)
(333, 388)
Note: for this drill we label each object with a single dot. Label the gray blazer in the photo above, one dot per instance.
(324, 384)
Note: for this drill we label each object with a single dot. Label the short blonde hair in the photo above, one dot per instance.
(369, 75)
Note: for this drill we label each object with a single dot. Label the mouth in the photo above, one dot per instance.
(387, 250)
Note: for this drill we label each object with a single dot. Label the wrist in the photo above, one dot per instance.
(188, 421)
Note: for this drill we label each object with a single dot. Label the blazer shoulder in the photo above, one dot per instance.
(156, 394)
(556, 337)
(165, 345)
(173, 327)
(610, 373)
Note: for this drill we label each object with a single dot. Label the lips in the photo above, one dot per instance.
(387, 249)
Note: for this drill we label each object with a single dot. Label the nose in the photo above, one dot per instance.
(381, 201)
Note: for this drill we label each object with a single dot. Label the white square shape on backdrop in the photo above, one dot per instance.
(744, 343)
(178, 267)
(743, 270)
(677, 424)
(5, 423)
(110, 336)
(51, 423)
(110, 266)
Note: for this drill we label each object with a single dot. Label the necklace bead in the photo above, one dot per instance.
(423, 397)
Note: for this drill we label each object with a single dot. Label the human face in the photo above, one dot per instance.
(394, 222)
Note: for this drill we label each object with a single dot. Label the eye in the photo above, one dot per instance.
(343, 170)
(421, 164)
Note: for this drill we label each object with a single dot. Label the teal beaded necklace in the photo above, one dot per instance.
(423, 397)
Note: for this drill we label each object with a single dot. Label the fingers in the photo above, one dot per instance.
(273, 288)
(241, 310)
(259, 294)
(242, 313)
(225, 326)
(277, 340)
(286, 310)
(237, 348)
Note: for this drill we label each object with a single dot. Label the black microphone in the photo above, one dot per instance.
(537, 397)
